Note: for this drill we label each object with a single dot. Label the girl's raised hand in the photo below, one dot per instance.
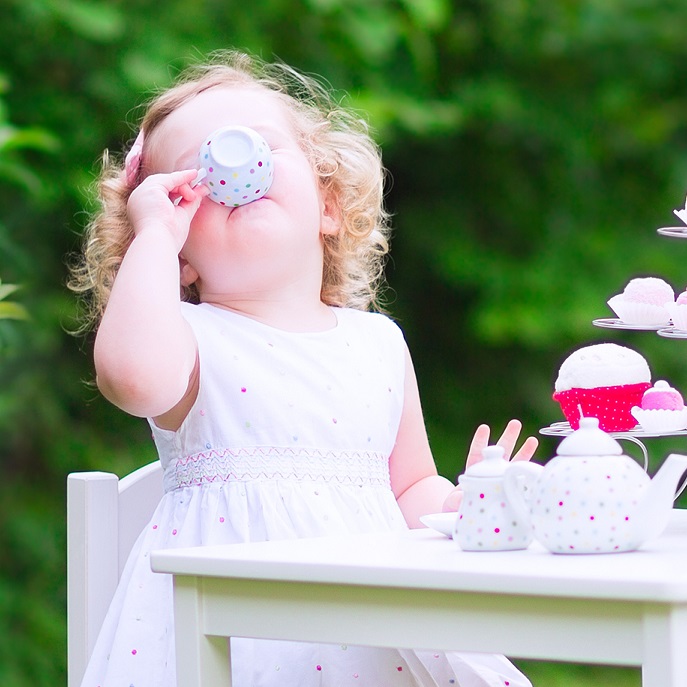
(480, 440)
(166, 201)
(508, 440)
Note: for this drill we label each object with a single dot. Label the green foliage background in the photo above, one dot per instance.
(534, 147)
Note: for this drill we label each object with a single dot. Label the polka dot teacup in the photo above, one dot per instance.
(238, 165)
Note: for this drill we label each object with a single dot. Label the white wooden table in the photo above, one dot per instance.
(417, 589)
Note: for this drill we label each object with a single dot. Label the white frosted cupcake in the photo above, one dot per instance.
(644, 302)
(682, 213)
(662, 409)
(603, 381)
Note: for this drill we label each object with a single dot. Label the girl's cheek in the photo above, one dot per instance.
(208, 210)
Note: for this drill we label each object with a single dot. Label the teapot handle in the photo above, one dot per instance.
(642, 448)
(517, 479)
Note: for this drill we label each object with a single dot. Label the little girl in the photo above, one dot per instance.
(280, 405)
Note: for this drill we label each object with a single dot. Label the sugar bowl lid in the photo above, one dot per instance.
(492, 464)
(589, 440)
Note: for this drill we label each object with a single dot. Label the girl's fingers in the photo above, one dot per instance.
(479, 441)
(510, 437)
(508, 440)
(175, 180)
(527, 449)
(186, 192)
(191, 196)
(172, 183)
(453, 501)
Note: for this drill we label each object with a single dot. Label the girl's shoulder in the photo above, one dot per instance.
(371, 324)
(366, 318)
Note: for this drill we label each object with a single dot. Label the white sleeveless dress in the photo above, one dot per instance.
(290, 437)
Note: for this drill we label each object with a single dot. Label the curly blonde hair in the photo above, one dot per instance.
(335, 139)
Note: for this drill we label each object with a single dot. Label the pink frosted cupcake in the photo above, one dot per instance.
(603, 381)
(662, 409)
(678, 311)
(644, 301)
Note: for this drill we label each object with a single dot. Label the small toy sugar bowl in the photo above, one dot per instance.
(590, 498)
(238, 165)
(486, 521)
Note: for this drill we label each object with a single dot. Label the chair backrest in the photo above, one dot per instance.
(105, 515)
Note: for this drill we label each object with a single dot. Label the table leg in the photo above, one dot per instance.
(665, 638)
(201, 659)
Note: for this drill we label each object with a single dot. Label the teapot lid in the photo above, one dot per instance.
(589, 440)
(492, 464)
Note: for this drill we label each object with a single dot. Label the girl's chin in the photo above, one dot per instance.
(251, 207)
(248, 210)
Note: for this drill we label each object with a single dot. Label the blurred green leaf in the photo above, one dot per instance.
(97, 21)
(10, 311)
(34, 139)
(7, 290)
(428, 14)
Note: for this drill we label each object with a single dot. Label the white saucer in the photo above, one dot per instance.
(615, 323)
(673, 333)
(563, 429)
(440, 522)
(674, 232)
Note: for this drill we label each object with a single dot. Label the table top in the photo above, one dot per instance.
(425, 559)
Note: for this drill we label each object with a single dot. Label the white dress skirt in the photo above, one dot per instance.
(290, 437)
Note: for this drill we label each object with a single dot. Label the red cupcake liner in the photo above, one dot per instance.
(610, 404)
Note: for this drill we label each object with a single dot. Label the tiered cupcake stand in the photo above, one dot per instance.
(665, 329)
(635, 436)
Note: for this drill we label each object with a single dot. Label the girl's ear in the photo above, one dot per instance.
(330, 217)
(187, 273)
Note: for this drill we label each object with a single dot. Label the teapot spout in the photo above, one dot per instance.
(654, 510)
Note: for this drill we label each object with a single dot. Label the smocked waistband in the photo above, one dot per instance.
(356, 468)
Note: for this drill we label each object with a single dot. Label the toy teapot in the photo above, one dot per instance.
(486, 521)
(590, 498)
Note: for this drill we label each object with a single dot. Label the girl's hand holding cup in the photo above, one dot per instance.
(166, 201)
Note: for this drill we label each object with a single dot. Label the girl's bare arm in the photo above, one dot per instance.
(419, 489)
(145, 352)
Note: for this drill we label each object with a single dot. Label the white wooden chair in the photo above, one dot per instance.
(105, 515)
